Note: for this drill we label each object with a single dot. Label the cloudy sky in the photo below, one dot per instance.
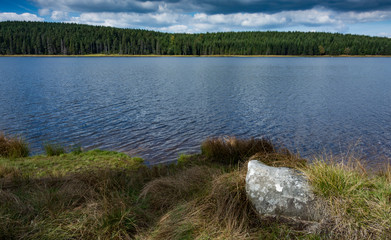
(368, 17)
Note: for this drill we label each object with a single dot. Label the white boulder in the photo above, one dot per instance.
(279, 191)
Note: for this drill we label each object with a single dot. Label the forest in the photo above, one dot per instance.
(44, 38)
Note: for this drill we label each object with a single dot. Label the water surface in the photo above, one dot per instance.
(160, 107)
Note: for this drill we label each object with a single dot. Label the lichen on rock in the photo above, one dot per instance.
(279, 191)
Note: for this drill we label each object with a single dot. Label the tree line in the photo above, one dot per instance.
(44, 38)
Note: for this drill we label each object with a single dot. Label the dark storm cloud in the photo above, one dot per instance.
(139, 6)
(253, 6)
(212, 6)
(107, 7)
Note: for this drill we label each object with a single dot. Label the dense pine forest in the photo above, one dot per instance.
(42, 38)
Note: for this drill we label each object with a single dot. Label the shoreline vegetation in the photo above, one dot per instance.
(239, 56)
(44, 38)
(109, 195)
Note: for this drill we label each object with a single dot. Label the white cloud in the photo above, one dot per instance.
(124, 20)
(174, 28)
(44, 12)
(317, 19)
(165, 18)
(312, 17)
(9, 16)
(384, 34)
(373, 16)
(59, 16)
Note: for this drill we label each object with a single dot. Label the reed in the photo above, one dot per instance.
(231, 150)
(53, 149)
(13, 147)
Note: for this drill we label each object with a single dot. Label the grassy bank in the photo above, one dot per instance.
(154, 55)
(108, 195)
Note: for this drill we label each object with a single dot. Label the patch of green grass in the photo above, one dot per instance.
(77, 149)
(184, 159)
(41, 165)
(86, 205)
(118, 221)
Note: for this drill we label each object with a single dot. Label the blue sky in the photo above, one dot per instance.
(368, 17)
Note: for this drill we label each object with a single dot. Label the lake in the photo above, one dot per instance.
(160, 107)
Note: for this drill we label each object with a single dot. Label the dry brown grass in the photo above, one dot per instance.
(164, 192)
(7, 172)
(231, 150)
(218, 207)
(223, 211)
(385, 172)
(227, 204)
(280, 159)
(13, 147)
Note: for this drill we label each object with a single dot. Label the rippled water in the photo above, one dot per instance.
(160, 107)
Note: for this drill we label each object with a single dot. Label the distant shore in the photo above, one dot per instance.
(154, 55)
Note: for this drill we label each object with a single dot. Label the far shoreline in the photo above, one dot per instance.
(238, 56)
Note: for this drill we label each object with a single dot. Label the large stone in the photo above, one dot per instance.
(279, 191)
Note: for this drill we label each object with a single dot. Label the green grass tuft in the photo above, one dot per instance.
(184, 159)
(77, 149)
(53, 149)
(360, 203)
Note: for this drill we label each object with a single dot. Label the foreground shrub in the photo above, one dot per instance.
(13, 147)
(52, 149)
(231, 150)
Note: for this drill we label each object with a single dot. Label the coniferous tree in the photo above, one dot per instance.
(74, 39)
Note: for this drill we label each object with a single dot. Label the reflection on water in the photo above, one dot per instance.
(160, 107)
